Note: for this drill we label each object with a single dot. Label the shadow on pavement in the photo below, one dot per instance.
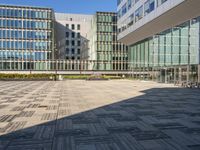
(162, 118)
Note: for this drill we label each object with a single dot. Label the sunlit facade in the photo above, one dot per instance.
(34, 38)
(26, 38)
(104, 47)
(163, 38)
(173, 54)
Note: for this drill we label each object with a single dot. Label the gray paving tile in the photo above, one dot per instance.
(106, 115)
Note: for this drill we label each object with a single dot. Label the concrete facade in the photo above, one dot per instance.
(156, 15)
(72, 35)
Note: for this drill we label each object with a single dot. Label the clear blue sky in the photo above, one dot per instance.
(69, 6)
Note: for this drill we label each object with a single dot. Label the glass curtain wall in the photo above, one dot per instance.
(169, 56)
(111, 55)
(26, 38)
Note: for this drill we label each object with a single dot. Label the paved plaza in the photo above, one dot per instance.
(98, 115)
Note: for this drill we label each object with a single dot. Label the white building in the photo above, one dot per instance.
(139, 19)
(72, 35)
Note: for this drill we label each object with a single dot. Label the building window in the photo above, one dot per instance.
(78, 35)
(139, 14)
(114, 38)
(119, 14)
(131, 20)
(126, 48)
(78, 51)
(67, 34)
(124, 10)
(129, 4)
(79, 43)
(73, 42)
(67, 50)
(67, 25)
(160, 2)
(149, 6)
(114, 28)
(78, 27)
(67, 42)
(73, 27)
(73, 34)
(73, 50)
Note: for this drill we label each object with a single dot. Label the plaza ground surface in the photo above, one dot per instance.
(98, 115)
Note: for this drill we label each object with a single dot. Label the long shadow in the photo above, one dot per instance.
(161, 119)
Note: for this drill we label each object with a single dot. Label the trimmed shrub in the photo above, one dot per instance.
(25, 76)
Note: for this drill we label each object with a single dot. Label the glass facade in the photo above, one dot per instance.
(26, 38)
(111, 55)
(174, 49)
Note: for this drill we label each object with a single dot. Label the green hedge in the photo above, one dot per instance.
(47, 76)
(90, 76)
(76, 76)
(25, 76)
(112, 77)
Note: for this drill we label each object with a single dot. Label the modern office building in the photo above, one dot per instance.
(108, 53)
(34, 38)
(89, 42)
(26, 38)
(164, 38)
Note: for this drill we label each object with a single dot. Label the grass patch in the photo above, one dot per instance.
(85, 77)
(81, 77)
